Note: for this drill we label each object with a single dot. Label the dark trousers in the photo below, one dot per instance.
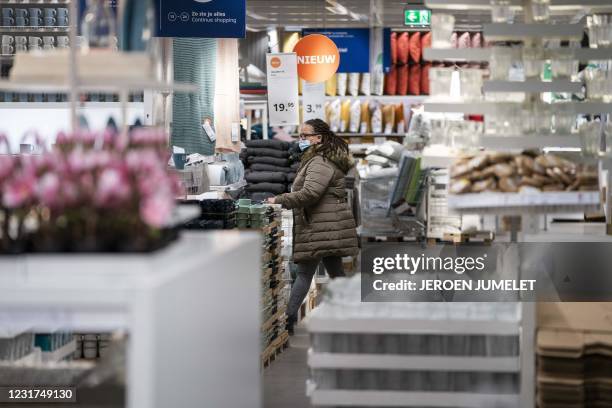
(305, 273)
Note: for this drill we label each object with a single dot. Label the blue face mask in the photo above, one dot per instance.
(304, 144)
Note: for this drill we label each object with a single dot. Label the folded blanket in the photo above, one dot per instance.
(269, 144)
(257, 196)
(276, 188)
(265, 177)
(268, 167)
(281, 154)
(269, 160)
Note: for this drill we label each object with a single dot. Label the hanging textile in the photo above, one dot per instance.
(227, 95)
(194, 62)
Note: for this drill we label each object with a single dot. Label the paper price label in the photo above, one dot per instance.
(209, 131)
(282, 89)
(313, 100)
(283, 107)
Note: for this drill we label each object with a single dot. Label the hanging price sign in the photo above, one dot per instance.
(282, 89)
(314, 100)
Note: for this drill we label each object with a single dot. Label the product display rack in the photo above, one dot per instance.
(158, 298)
(74, 84)
(533, 34)
(328, 319)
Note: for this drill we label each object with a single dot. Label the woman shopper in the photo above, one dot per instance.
(323, 226)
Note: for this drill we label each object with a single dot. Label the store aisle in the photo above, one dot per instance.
(285, 379)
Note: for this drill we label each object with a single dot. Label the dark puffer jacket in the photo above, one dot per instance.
(323, 224)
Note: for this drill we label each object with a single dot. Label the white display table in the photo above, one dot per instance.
(192, 312)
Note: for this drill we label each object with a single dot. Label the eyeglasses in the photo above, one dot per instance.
(305, 135)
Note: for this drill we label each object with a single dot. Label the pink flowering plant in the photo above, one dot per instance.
(91, 192)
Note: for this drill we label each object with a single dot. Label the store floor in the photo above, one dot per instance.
(285, 378)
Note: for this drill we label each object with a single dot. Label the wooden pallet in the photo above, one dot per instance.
(279, 314)
(485, 237)
(383, 238)
(275, 349)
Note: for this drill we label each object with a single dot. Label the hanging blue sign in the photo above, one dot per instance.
(353, 44)
(201, 18)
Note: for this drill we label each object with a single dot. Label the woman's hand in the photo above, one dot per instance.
(271, 200)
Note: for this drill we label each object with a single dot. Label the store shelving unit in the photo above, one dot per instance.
(329, 319)
(534, 34)
(75, 83)
(176, 327)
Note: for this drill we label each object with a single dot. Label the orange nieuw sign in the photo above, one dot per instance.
(318, 58)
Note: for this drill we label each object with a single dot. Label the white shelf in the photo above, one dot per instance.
(11, 329)
(583, 54)
(346, 398)
(458, 106)
(517, 203)
(522, 31)
(110, 85)
(229, 187)
(438, 156)
(61, 353)
(325, 320)
(383, 98)
(412, 362)
(484, 54)
(532, 86)
(35, 357)
(29, 29)
(592, 108)
(530, 141)
(154, 297)
(457, 54)
(66, 105)
(484, 107)
(38, 3)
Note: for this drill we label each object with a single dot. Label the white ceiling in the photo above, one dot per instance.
(314, 13)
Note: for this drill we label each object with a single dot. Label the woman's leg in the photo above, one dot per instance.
(299, 290)
(334, 267)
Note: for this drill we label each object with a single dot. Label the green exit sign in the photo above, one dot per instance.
(417, 17)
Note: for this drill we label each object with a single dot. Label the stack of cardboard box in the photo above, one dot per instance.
(574, 347)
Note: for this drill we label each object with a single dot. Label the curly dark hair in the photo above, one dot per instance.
(330, 142)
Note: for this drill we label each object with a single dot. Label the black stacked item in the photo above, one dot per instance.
(270, 168)
(216, 214)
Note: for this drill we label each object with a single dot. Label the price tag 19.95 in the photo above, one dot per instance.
(282, 89)
(314, 100)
